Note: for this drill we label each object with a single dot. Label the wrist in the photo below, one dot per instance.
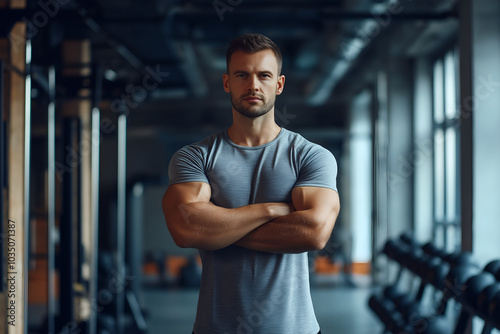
(276, 210)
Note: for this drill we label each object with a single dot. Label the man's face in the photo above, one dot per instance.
(253, 82)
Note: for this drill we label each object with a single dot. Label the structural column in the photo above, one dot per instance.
(13, 300)
(76, 111)
(399, 163)
(466, 117)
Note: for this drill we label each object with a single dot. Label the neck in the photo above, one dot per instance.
(253, 131)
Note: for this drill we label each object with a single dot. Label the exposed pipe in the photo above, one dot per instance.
(27, 163)
(128, 55)
(3, 167)
(121, 221)
(96, 132)
(374, 19)
(51, 197)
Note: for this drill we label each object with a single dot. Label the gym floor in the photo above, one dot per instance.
(340, 309)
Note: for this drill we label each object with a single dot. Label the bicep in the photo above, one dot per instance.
(322, 201)
(185, 193)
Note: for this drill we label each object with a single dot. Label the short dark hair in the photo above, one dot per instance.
(251, 43)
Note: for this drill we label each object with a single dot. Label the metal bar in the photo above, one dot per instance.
(94, 201)
(121, 219)
(96, 116)
(27, 163)
(488, 328)
(51, 200)
(314, 12)
(3, 168)
(445, 161)
(287, 13)
(123, 51)
(38, 76)
(466, 119)
(463, 324)
(136, 311)
(66, 228)
(421, 290)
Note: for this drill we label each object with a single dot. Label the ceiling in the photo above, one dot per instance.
(184, 43)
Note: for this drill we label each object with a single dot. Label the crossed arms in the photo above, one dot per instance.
(305, 225)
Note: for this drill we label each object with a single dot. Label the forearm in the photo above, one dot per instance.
(298, 232)
(204, 225)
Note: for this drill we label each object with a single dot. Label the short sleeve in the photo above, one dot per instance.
(187, 165)
(318, 169)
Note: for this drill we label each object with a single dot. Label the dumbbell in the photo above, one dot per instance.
(494, 310)
(392, 292)
(431, 325)
(457, 277)
(432, 250)
(438, 274)
(426, 268)
(386, 312)
(409, 239)
(411, 309)
(390, 248)
(403, 252)
(401, 304)
(486, 296)
(399, 251)
(414, 259)
(473, 288)
(460, 258)
(494, 268)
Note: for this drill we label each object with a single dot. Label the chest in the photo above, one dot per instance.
(239, 178)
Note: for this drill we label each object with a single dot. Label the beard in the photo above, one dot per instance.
(253, 111)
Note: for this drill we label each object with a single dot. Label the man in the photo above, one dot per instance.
(253, 199)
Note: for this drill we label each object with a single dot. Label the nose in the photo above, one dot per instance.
(253, 83)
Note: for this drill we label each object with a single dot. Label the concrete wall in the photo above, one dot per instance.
(400, 168)
(359, 198)
(486, 126)
(421, 156)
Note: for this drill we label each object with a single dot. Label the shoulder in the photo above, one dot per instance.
(188, 163)
(199, 149)
(306, 149)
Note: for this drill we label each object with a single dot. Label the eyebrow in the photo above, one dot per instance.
(246, 72)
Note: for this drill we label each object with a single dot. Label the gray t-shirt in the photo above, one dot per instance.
(246, 291)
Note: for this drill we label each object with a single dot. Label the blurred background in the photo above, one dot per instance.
(96, 96)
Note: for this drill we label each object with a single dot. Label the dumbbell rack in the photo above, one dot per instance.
(455, 276)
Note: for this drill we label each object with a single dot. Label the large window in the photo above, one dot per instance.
(446, 231)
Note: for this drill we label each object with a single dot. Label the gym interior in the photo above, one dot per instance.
(96, 96)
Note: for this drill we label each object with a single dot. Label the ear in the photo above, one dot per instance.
(280, 84)
(225, 81)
